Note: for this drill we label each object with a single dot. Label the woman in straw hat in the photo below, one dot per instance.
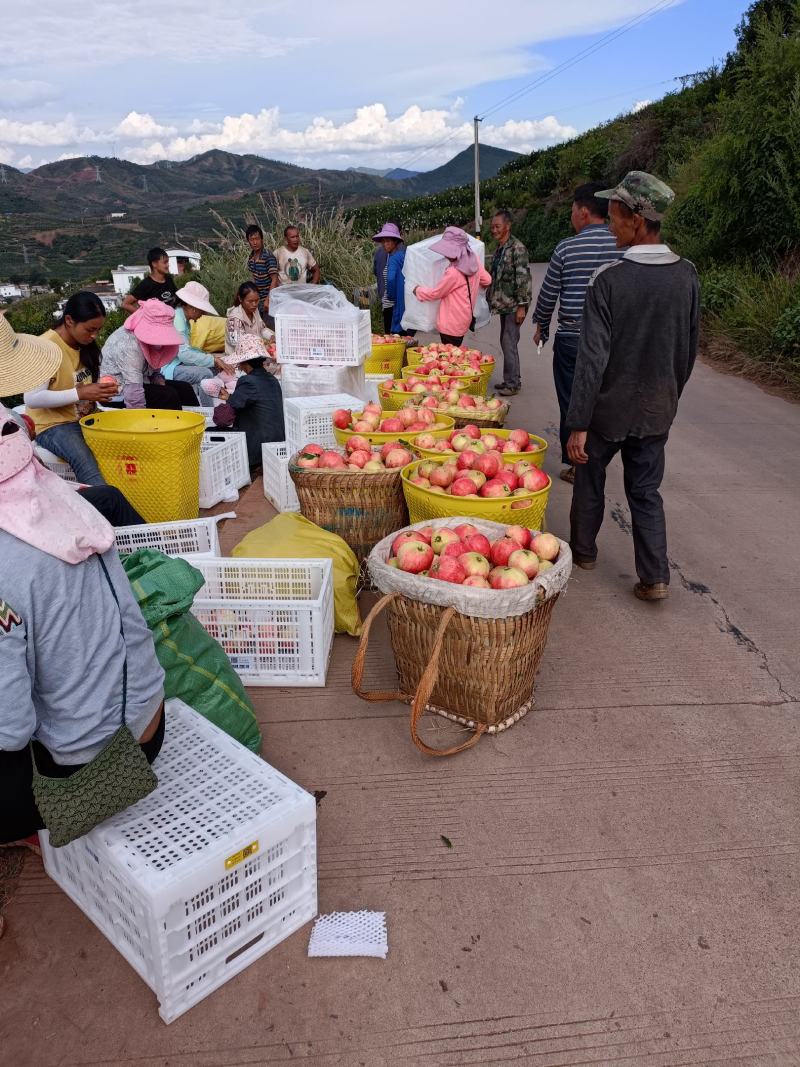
(192, 365)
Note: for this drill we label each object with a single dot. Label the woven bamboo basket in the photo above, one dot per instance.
(485, 420)
(360, 508)
(477, 672)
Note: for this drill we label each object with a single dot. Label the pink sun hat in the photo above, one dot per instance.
(454, 245)
(389, 229)
(152, 324)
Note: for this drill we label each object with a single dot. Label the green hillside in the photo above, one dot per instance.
(728, 142)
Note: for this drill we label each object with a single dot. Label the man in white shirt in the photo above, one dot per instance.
(295, 261)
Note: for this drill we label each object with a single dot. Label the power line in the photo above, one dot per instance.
(579, 56)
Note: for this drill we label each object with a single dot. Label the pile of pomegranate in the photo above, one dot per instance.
(387, 338)
(463, 555)
(472, 438)
(471, 474)
(435, 385)
(358, 455)
(373, 420)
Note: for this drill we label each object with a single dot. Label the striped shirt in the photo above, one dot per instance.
(263, 267)
(568, 274)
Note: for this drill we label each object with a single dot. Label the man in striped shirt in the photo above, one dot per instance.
(574, 261)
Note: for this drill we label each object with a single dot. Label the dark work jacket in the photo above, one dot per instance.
(638, 346)
(258, 403)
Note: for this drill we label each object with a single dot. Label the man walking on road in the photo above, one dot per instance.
(637, 349)
(509, 297)
(574, 261)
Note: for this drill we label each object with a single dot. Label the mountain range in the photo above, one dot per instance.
(67, 219)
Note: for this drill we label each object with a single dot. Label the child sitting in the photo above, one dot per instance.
(255, 407)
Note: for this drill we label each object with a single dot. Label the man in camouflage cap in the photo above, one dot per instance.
(637, 349)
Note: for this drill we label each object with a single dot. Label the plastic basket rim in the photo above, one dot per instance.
(508, 457)
(198, 422)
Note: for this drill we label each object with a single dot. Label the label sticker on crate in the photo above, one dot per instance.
(242, 854)
(317, 351)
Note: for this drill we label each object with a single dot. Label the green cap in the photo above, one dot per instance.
(643, 193)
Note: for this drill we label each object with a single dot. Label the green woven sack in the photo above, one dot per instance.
(116, 778)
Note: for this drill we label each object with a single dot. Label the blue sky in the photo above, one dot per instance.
(337, 84)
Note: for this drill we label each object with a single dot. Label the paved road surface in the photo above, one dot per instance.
(623, 886)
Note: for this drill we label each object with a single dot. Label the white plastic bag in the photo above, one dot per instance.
(424, 267)
(311, 302)
(481, 603)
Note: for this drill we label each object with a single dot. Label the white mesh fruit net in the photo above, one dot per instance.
(350, 933)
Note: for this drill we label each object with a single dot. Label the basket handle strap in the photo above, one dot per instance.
(423, 694)
(358, 663)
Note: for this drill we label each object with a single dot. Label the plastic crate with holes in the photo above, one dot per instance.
(330, 342)
(203, 876)
(278, 486)
(273, 617)
(190, 537)
(308, 418)
(224, 468)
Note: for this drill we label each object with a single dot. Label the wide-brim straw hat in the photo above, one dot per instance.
(197, 296)
(25, 361)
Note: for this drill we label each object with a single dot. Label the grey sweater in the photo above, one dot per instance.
(638, 344)
(61, 653)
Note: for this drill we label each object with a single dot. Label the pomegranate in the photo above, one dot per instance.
(520, 439)
(360, 457)
(507, 578)
(467, 459)
(315, 450)
(501, 550)
(534, 480)
(463, 487)
(398, 457)
(476, 580)
(356, 443)
(331, 460)
(425, 440)
(441, 537)
(475, 563)
(466, 529)
(342, 418)
(477, 479)
(442, 476)
(391, 425)
(452, 548)
(307, 460)
(527, 561)
(519, 534)
(477, 543)
(451, 570)
(473, 431)
(488, 464)
(546, 546)
(414, 556)
(373, 467)
(507, 475)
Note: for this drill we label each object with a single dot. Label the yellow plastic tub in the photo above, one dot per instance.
(386, 359)
(443, 427)
(536, 457)
(152, 456)
(392, 399)
(423, 505)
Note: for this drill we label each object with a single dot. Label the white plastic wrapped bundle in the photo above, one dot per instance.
(424, 267)
(311, 301)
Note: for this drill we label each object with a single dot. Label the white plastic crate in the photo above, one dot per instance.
(238, 453)
(206, 412)
(302, 339)
(273, 617)
(278, 486)
(55, 464)
(203, 876)
(223, 467)
(189, 537)
(308, 418)
(299, 380)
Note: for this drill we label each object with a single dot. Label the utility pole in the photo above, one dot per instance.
(478, 219)
(3, 177)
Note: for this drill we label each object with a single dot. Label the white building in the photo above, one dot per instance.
(10, 291)
(124, 278)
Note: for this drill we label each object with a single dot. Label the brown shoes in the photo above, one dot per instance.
(584, 562)
(656, 591)
(568, 475)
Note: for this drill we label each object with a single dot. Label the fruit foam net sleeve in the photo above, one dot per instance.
(350, 933)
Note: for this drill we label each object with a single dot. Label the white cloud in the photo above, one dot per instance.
(142, 127)
(640, 105)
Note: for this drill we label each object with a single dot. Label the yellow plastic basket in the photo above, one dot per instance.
(392, 399)
(414, 358)
(152, 456)
(472, 383)
(423, 505)
(536, 457)
(442, 428)
(386, 359)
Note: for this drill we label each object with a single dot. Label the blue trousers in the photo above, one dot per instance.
(565, 351)
(66, 441)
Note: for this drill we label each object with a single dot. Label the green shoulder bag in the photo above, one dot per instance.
(116, 778)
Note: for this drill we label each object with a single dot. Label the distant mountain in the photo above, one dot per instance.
(459, 171)
(400, 175)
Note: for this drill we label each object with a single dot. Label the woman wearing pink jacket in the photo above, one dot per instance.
(459, 288)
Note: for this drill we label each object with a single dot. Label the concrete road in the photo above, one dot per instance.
(623, 884)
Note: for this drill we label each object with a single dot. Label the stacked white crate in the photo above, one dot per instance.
(210, 871)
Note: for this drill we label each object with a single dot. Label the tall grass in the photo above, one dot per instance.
(344, 257)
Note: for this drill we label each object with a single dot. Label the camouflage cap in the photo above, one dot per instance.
(643, 193)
